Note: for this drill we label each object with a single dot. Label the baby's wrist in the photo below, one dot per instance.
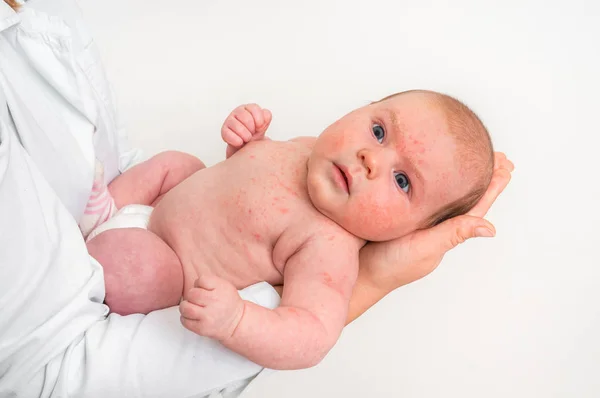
(235, 324)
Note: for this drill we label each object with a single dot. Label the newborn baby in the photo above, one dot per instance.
(293, 212)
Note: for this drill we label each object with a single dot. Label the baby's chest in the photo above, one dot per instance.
(267, 193)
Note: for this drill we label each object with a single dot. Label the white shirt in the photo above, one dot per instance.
(57, 116)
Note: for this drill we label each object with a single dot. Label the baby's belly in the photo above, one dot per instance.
(242, 265)
(218, 246)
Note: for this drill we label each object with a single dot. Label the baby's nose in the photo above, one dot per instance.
(368, 159)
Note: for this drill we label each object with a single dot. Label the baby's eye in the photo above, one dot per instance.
(402, 181)
(378, 132)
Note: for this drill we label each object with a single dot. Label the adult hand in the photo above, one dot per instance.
(385, 266)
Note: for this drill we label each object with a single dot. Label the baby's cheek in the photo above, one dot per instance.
(335, 142)
(372, 218)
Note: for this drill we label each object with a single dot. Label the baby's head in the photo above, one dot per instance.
(406, 162)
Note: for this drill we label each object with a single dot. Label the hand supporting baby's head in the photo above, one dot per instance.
(408, 161)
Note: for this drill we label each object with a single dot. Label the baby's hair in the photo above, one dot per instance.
(13, 4)
(475, 151)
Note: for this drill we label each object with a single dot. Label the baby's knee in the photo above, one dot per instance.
(189, 164)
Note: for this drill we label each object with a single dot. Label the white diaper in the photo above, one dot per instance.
(131, 216)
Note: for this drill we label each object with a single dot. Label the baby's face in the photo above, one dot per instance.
(383, 169)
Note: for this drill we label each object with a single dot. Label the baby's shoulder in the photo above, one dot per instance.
(309, 142)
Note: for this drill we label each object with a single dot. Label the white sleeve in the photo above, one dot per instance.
(154, 356)
(55, 337)
(50, 292)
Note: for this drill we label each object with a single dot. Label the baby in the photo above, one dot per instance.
(293, 212)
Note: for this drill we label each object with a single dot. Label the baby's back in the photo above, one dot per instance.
(242, 218)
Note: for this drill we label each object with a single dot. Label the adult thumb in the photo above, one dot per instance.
(457, 230)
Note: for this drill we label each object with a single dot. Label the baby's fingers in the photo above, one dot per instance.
(267, 117)
(231, 138)
(262, 118)
(190, 310)
(255, 112)
(247, 124)
(238, 128)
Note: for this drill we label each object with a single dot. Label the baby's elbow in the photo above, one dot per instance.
(304, 360)
(307, 355)
(316, 358)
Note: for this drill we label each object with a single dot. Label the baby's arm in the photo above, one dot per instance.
(297, 334)
(148, 181)
(246, 123)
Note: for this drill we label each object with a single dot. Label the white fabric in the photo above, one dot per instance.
(56, 118)
(131, 216)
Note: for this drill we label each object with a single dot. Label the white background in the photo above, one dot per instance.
(514, 316)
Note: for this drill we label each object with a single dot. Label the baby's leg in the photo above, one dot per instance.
(141, 272)
(147, 182)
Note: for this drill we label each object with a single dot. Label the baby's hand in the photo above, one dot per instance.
(246, 123)
(212, 308)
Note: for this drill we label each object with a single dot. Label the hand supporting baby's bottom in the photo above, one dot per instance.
(212, 308)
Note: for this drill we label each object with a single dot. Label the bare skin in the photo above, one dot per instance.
(295, 212)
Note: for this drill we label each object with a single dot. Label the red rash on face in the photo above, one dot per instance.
(338, 143)
(256, 236)
(419, 147)
(372, 216)
(283, 210)
(376, 209)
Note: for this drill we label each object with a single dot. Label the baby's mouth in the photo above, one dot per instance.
(341, 177)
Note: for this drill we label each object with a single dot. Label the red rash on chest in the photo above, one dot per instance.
(292, 310)
(248, 252)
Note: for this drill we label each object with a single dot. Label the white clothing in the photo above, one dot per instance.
(57, 118)
(130, 216)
